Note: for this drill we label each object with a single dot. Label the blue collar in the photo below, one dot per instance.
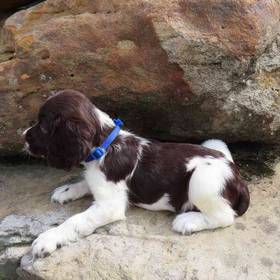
(100, 151)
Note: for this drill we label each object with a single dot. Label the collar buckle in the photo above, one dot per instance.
(100, 151)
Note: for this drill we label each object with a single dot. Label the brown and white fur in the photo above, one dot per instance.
(199, 183)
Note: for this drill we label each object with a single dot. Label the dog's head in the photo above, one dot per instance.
(66, 130)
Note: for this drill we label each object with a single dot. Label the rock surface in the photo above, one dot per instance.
(172, 69)
(143, 246)
(10, 261)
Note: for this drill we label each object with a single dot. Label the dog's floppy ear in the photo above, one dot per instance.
(69, 144)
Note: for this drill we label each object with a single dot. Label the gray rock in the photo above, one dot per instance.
(19, 230)
(141, 247)
(10, 260)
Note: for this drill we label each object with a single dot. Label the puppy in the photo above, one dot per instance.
(199, 183)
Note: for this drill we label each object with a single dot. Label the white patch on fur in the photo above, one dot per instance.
(220, 146)
(162, 204)
(104, 119)
(25, 131)
(26, 147)
(205, 192)
(124, 134)
(107, 192)
(110, 205)
(70, 192)
(143, 142)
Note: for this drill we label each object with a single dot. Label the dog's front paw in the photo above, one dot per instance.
(62, 194)
(46, 243)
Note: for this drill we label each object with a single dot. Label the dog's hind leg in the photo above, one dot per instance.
(206, 185)
(71, 192)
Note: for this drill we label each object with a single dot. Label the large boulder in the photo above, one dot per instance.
(173, 70)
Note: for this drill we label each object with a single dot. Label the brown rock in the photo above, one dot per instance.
(173, 70)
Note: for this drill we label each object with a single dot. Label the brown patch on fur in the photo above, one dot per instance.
(66, 130)
(236, 192)
(121, 158)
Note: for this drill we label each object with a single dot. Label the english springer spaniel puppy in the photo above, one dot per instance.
(199, 183)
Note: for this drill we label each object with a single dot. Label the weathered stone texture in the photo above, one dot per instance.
(173, 70)
(141, 247)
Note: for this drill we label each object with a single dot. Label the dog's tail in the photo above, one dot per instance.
(243, 200)
(218, 145)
